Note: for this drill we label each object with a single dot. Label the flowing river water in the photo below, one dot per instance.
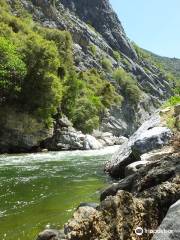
(43, 189)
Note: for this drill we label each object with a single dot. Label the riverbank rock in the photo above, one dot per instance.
(170, 227)
(65, 137)
(51, 234)
(91, 143)
(151, 139)
(116, 218)
(20, 132)
(148, 137)
(156, 171)
(108, 139)
(133, 167)
(140, 201)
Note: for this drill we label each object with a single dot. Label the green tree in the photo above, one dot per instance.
(12, 71)
(42, 90)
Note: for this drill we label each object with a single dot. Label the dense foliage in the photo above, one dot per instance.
(37, 73)
(128, 85)
(88, 95)
(12, 71)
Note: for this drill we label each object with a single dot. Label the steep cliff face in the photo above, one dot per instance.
(101, 16)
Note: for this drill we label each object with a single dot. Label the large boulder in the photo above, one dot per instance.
(148, 137)
(151, 139)
(92, 143)
(170, 227)
(159, 170)
(20, 132)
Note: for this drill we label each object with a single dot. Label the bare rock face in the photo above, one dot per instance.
(20, 132)
(102, 17)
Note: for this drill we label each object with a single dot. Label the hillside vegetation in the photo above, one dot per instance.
(37, 73)
(170, 67)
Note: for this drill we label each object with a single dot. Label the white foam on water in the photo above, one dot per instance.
(8, 160)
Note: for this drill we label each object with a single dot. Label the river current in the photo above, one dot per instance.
(43, 189)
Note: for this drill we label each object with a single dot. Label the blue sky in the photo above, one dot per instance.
(152, 24)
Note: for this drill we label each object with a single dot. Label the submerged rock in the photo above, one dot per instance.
(51, 234)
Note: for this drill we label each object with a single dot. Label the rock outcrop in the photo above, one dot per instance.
(148, 137)
(108, 24)
(21, 132)
(65, 137)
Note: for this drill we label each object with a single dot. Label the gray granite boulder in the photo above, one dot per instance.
(148, 137)
(133, 167)
(152, 139)
(170, 226)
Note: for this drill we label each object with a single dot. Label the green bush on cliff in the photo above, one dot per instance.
(106, 64)
(117, 55)
(42, 89)
(86, 99)
(92, 49)
(37, 72)
(128, 85)
(174, 100)
(12, 71)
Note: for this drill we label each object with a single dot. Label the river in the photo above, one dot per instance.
(43, 189)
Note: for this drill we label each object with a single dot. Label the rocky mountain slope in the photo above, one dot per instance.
(170, 64)
(101, 45)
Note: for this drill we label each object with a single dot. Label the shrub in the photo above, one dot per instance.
(86, 98)
(63, 42)
(92, 49)
(117, 55)
(128, 85)
(172, 101)
(106, 64)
